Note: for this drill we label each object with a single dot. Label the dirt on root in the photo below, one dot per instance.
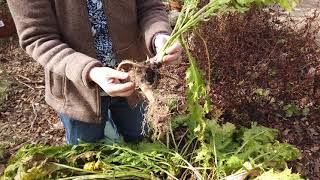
(264, 67)
(145, 77)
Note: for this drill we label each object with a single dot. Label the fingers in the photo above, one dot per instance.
(114, 74)
(175, 48)
(102, 74)
(172, 59)
(173, 54)
(124, 89)
(109, 80)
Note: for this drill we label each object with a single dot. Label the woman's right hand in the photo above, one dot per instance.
(109, 80)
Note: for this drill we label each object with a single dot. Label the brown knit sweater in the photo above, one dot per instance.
(57, 34)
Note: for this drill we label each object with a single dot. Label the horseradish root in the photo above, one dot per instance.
(145, 75)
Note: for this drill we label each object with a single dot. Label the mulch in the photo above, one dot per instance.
(25, 118)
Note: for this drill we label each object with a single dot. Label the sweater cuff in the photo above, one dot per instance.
(153, 46)
(151, 30)
(86, 71)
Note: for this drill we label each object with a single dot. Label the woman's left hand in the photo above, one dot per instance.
(173, 54)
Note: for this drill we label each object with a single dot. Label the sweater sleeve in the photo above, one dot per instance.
(153, 19)
(39, 36)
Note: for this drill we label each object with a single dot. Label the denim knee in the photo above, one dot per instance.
(80, 131)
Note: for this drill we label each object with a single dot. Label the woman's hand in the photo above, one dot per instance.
(173, 53)
(109, 80)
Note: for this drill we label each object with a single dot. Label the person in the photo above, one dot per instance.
(79, 43)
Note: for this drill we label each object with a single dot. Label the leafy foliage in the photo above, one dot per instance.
(230, 148)
(285, 4)
(293, 110)
(284, 175)
(144, 160)
(224, 148)
(196, 94)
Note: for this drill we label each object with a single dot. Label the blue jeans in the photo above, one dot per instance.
(129, 122)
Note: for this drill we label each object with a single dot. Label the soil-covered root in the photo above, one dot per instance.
(159, 115)
(145, 78)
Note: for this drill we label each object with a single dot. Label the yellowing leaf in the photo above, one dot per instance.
(284, 175)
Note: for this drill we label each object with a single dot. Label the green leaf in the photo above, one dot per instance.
(291, 110)
(220, 136)
(306, 111)
(288, 4)
(284, 175)
(262, 92)
(245, 2)
(259, 134)
(234, 162)
(204, 154)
